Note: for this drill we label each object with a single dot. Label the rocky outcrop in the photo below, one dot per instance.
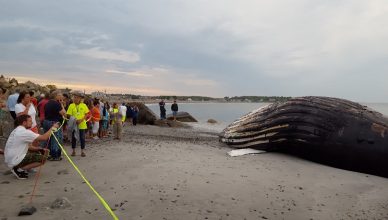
(13, 84)
(182, 117)
(146, 116)
(6, 126)
(170, 123)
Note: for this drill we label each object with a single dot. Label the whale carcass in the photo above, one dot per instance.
(332, 131)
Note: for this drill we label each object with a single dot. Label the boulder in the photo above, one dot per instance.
(183, 117)
(4, 83)
(170, 123)
(27, 210)
(146, 116)
(14, 82)
(211, 121)
(6, 126)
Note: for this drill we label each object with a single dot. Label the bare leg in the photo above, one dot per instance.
(32, 165)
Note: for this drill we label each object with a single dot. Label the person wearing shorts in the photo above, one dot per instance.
(95, 118)
(174, 109)
(21, 151)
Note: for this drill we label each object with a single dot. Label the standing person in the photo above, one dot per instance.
(25, 107)
(33, 99)
(174, 109)
(41, 105)
(117, 122)
(54, 112)
(135, 114)
(101, 105)
(89, 123)
(21, 153)
(65, 102)
(162, 109)
(11, 102)
(95, 118)
(78, 110)
(123, 111)
(129, 114)
(105, 120)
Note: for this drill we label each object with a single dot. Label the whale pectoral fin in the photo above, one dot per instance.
(245, 151)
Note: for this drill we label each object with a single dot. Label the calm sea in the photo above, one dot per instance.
(228, 112)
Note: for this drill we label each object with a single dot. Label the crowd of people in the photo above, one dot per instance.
(61, 118)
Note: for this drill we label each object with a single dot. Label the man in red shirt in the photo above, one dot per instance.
(33, 99)
(41, 105)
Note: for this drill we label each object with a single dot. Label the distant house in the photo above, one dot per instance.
(98, 94)
(189, 99)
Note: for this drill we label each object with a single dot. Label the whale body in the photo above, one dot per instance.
(332, 131)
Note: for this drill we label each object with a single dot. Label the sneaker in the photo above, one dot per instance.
(95, 138)
(54, 158)
(20, 174)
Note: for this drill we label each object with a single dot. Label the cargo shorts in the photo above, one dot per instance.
(32, 157)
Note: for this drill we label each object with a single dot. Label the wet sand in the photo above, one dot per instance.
(170, 173)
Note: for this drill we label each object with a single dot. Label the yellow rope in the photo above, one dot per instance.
(104, 203)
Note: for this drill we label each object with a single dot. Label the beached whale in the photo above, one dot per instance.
(332, 131)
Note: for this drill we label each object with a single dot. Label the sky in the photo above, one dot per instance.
(217, 48)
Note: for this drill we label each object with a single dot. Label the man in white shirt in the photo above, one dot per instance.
(21, 152)
(11, 102)
(123, 110)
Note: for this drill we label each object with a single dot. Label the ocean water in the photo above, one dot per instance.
(226, 113)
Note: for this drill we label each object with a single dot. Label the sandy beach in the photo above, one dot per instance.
(185, 173)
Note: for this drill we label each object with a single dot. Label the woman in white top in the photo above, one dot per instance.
(25, 107)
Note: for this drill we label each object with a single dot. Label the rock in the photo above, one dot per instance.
(14, 82)
(211, 121)
(183, 117)
(146, 115)
(4, 83)
(31, 85)
(6, 126)
(27, 210)
(168, 123)
(61, 203)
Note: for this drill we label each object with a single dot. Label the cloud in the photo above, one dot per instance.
(216, 48)
(116, 55)
(134, 73)
(198, 82)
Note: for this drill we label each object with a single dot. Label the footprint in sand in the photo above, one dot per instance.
(63, 172)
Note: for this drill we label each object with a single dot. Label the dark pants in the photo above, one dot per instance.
(81, 138)
(134, 120)
(163, 114)
(55, 150)
(13, 114)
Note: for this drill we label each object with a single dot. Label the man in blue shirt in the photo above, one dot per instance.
(11, 102)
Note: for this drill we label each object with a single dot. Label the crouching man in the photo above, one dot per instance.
(21, 151)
